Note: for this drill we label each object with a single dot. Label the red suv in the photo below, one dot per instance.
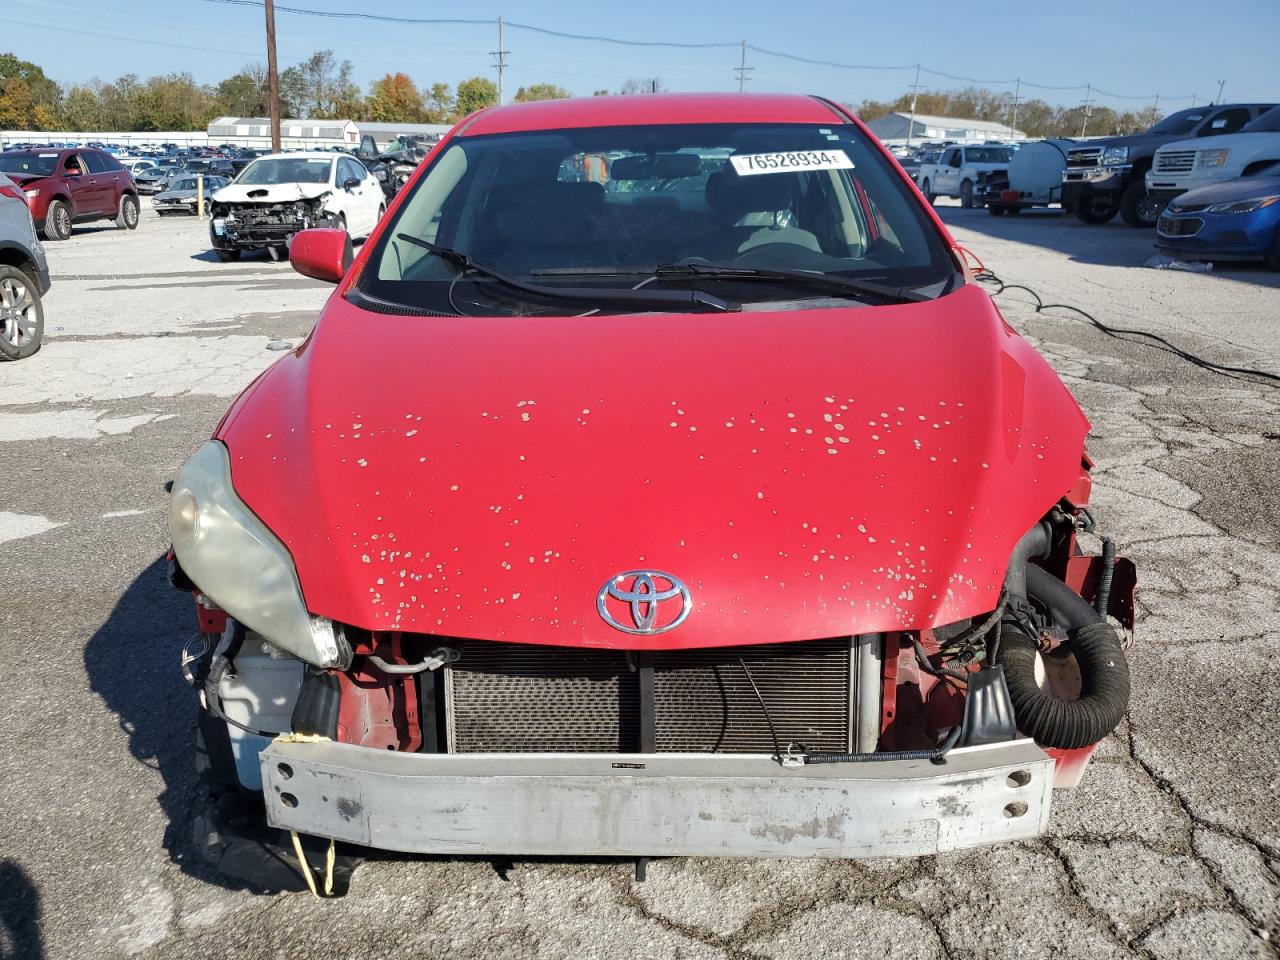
(65, 187)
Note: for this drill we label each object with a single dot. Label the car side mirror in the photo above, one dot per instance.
(350, 182)
(322, 253)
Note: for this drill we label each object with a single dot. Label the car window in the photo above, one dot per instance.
(988, 154)
(615, 199)
(1269, 122)
(74, 165)
(269, 170)
(1225, 121)
(954, 158)
(349, 170)
(95, 161)
(41, 164)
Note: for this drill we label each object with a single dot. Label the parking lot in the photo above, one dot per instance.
(1170, 848)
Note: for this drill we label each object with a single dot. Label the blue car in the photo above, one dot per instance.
(1236, 220)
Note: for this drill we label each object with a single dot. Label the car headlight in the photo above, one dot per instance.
(238, 563)
(1115, 155)
(1243, 206)
(1212, 158)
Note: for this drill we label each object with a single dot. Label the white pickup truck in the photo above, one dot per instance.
(1188, 164)
(961, 169)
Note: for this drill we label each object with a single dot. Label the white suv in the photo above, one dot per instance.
(1188, 164)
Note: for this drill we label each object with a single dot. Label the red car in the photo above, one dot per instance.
(657, 481)
(66, 187)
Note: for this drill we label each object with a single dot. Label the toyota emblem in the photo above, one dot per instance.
(654, 602)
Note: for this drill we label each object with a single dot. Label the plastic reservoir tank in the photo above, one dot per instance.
(1036, 169)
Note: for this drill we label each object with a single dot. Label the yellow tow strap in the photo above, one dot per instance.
(330, 855)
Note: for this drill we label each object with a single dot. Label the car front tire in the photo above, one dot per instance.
(1137, 209)
(57, 221)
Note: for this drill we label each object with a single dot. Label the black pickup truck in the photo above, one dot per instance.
(1106, 177)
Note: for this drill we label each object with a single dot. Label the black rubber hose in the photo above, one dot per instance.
(1103, 597)
(1104, 672)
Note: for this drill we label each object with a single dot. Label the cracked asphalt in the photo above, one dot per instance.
(1170, 848)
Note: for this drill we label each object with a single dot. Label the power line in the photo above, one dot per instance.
(681, 45)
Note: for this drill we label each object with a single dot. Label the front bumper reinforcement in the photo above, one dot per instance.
(668, 804)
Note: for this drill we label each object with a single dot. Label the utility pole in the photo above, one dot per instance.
(1084, 122)
(1156, 108)
(1017, 92)
(1221, 84)
(742, 70)
(915, 91)
(273, 76)
(501, 54)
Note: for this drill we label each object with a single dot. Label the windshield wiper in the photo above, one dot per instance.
(608, 295)
(822, 281)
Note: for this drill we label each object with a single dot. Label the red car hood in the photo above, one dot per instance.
(806, 473)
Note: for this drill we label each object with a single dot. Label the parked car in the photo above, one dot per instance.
(700, 549)
(961, 171)
(278, 195)
(1034, 178)
(136, 166)
(1235, 220)
(1108, 176)
(156, 179)
(66, 187)
(1189, 165)
(24, 276)
(180, 194)
(243, 158)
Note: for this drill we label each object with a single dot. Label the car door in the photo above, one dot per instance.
(82, 185)
(361, 212)
(949, 171)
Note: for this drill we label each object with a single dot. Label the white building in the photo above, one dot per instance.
(310, 134)
(899, 127)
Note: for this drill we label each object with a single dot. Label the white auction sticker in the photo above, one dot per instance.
(790, 161)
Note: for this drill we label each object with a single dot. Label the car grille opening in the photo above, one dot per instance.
(1179, 226)
(1175, 161)
(518, 698)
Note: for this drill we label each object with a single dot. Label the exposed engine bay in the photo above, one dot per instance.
(250, 225)
(1045, 666)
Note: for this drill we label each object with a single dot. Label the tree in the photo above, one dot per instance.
(541, 91)
(440, 104)
(394, 99)
(474, 94)
(43, 90)
(17, 104)
(648, 85)
(320, 87)
(245, 94)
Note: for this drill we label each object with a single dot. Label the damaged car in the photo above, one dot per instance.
(182, 194)
(686, 496)
(276, 196)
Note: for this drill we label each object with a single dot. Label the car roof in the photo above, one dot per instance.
(654, 108)
(299, 155)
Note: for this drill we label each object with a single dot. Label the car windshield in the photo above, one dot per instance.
(1179, 123)
(42, 164)
(1269, 122)
(185, 184)
(988, 154)
(286, 170)
(605, 205)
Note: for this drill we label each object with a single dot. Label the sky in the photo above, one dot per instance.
(1137, 50)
